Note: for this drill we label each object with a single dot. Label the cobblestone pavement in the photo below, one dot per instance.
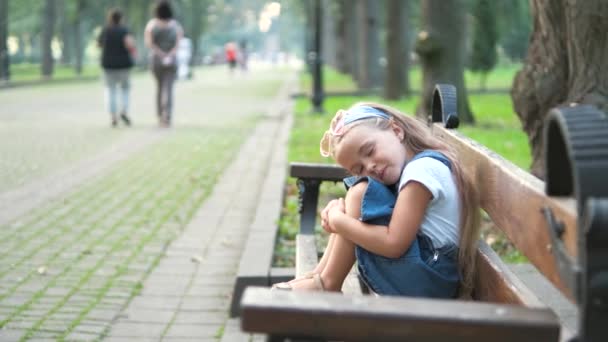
(88, 213)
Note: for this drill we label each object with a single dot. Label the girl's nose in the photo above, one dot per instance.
(371, 168)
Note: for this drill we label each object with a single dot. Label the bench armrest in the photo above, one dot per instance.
(321, 172)
(309, 177)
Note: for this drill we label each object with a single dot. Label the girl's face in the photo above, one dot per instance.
(369, 151)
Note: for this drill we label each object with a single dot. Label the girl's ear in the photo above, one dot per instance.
(398, 131)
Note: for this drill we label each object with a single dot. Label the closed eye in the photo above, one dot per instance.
(370, 151)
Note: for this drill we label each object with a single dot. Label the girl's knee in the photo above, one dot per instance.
(354, 198)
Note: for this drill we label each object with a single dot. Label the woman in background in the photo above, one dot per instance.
(162, 36)
(118, 53)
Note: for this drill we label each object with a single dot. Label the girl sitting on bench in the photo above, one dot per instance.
(410, 217)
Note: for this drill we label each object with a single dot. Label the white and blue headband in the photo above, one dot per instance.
(343, 119)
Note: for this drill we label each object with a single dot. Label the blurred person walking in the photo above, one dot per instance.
(230, 52)
(162, 36)
(118, 53)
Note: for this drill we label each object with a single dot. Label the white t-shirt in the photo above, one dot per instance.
(442, 217)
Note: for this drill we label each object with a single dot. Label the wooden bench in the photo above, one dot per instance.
(542, 227)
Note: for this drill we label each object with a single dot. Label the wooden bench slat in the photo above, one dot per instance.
(306, 254)
(367, 318)
(352, 285)
(514, 199)
(495, 282)
(306, 260)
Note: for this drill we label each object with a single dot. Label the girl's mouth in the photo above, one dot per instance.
(381, 174)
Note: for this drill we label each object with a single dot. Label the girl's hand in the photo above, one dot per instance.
(333, 209)
(324, 218)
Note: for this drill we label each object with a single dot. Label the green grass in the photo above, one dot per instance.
(308, 127)
(500, 78)
(31, 72)
(332, 80)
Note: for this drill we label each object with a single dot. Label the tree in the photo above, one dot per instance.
(48, 30)
(343, 59)
(329, 33)
(196, 28)
(26, 26)
(78, 36)
(441, 48)
(566, 63)
(369, 71)
(66, 39)
(4, 61)
(514, 27)
(352, 34)
(397, 57)
(483, 57)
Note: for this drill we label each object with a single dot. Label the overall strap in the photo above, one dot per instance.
(435, 155)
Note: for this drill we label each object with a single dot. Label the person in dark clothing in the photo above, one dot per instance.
(162, 36)
(118, 52)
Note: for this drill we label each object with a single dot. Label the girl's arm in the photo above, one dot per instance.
(391, 241)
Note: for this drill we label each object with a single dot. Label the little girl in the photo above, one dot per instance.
(410, 217)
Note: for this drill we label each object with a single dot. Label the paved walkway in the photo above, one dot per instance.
(131, 234)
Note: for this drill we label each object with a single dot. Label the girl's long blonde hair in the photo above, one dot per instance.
(417, 138)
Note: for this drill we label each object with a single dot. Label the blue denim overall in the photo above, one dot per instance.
(422, 271)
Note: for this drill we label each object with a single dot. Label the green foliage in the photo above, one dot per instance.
(485, 35)
(515, 25)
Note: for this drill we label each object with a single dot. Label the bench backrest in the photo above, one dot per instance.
(514, 200)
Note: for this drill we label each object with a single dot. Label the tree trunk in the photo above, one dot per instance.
(407, 44)
(396, 66)
(4, 58)
(566, 63)
(197, 27)
(139, 18)
(329, 33)
(66, 37)
(21, 49)
(352, 26)
(78, 45)
(342, 42)
(373, 24)
(310, 34)
(369, 72)
(441, 48)
(48, 25)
